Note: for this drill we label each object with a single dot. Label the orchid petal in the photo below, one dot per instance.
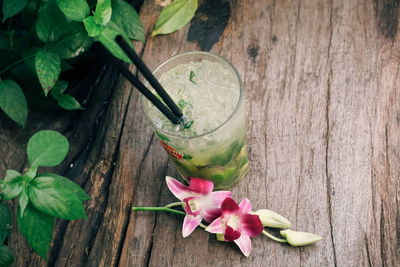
(251, 224)
(187, 207)
(216, 227)
(200, 186)
(245, 206)
(179, 190)
(229, 205)
(218, 197)
(231, 234)
(244, 243)
(189, 224)
(210, 215)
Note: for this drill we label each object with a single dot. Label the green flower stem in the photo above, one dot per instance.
(273, 237)
(158, 209)
(167, 208)
(175, 204)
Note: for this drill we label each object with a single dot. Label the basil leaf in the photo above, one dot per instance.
(5, 221)
(102, 15)
(58, 89)
(75, 10)
(37, 228)
(175, 16)
(72, 44)
(6, 256)
(12, 8)
(126, 17)
(69, 185)
(68, 102)
(12, 186)
(92, 28)
(13, 101)
(47, 148)
(107, 38)
(48, 197)
(52, 24)
(48, 67)
(23, 200)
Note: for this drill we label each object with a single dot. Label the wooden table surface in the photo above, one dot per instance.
(321, 83)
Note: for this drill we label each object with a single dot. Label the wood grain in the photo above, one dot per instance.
(321, 83)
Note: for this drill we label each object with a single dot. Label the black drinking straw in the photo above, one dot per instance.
(148, 75)
(144, 90)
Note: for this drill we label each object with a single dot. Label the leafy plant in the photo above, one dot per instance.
(38, 39)
(41, 197)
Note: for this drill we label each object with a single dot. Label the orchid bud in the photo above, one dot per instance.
(297, 239)
(270, 218)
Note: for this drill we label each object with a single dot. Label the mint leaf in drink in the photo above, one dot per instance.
(75, 10)
(102, 15)
(13, 101)
(6, 256)
(182, 103)
(12, 8)
(47, 148)
(37, 228)
(191, 76)
(48, 67)
(5, 222)
(188, 124)
(67, 184)
(187, 156)
(50, 198)
(126, 17)
(162, 137)
(175, 16)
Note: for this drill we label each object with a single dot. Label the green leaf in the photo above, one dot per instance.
(13, 101)
(75, 10)
(37, 228)
(58, 89)
(162, 137)
(92, 28)
(69, 185)
(12, 7)
(12, 185)
(6, 256)
(23, 200)
(71, 44)
(5, 221)
(47, 148)
(102, 15)
(175, 16)
(48, 67)
(5, 40)
(52, 24)
(126, 17)
(69, 102)
(48, 197)
(107, 38)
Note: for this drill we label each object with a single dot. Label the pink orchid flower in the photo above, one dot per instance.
(199, 201)
(237, 224)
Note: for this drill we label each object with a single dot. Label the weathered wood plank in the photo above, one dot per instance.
(322, 87)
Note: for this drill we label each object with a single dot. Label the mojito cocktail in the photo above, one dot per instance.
(211, 144)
